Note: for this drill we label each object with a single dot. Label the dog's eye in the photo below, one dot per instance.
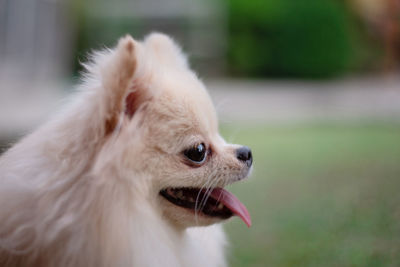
(197, 153)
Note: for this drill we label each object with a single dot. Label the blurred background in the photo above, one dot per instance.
(312, 86)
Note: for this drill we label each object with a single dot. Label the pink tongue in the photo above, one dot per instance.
(232, 203)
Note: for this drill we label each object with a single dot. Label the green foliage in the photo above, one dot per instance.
(304, 38)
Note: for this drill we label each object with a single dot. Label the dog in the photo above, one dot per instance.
(130, 173)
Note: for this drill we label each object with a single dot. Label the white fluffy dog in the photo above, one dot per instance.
(130, 174)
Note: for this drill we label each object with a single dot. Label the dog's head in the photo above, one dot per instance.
(167, 145)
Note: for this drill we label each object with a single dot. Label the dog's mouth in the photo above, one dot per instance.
(216, 202)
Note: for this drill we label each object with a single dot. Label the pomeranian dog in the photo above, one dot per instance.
(130, 173)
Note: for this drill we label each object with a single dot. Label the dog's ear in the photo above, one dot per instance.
(123, 92)
(166, 50)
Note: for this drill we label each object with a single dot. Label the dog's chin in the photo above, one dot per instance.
(186, 207)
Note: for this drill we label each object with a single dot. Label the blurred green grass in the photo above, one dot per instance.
(320, 195)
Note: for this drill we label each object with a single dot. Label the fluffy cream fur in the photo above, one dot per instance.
(83, 189)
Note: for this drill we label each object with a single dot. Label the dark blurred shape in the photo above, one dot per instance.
(303, 38)
(199, 26)
(382, 19)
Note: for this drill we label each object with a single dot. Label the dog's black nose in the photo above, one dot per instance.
(244, 154)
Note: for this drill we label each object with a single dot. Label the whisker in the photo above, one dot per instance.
(208, 193)
(196, 207)
(207, 184)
